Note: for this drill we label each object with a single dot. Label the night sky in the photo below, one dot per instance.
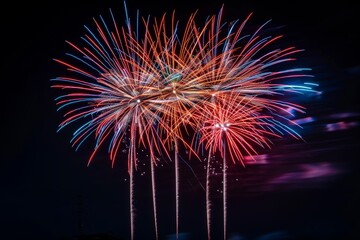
(298, 189)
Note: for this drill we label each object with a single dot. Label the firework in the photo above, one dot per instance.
(108, 94)
(158, 87)
(243, 104)
(232, 126)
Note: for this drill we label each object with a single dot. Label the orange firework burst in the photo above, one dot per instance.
(161, 87)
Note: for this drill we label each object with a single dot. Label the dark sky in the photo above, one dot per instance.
(305, 188)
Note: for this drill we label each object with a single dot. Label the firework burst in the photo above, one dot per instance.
(110, 93)
(159, 87)
(243, 94)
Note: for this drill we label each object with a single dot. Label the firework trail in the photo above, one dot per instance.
(122, 89)
(154, 198)
(233, 129)
(108, 90)
(242, 87)
(208, 202)
(181, 85)
(211, 84)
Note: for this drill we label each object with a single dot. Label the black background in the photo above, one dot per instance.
(47, 189)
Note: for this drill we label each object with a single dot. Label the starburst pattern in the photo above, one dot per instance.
(158, 88)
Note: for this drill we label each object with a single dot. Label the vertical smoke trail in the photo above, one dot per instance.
(208, 202)
(154, 197)
(224, 192)
(131, 198)
(131, 183)
(177, 186)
